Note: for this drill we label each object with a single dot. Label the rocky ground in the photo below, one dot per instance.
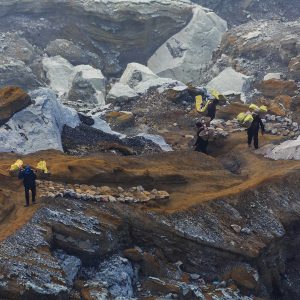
(104, 91)
(236, 12)
(163, 249)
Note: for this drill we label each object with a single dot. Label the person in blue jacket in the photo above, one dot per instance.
(29, 182)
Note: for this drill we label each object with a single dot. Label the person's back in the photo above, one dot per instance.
(28, 177)
(253, 130)
(256, 123)
(29, 183)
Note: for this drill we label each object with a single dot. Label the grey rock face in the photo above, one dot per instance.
(287, 150)
(116, 274)
(70, 265)
(121, 93)
(12, 45)
(118, 32)
(39, 126)
(230, 81)
(75, 83)
(75, 54)
(237, 12)
(187, 54)
(15, 72)
(261, 47)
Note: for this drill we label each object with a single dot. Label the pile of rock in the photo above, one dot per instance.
(49, 189)
(225, 127)
(278, 125)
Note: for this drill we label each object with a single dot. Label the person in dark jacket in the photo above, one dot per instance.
(29, 177)
(212, 109)
(253, 130)
(201, 144)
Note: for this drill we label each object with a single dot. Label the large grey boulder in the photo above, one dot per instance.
(287, 150)
(39, 126)
(186, 54)
(59, 72)
(121, 93)
(117, 272)
(137, 80)
(231, 82)
(14, 72)
(273, 76)
(13, 45)
(141, 79)
(82, 82)
(74, 53)
(159, 84)
(136, 73)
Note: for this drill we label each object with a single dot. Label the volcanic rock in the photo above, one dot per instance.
(14, 72)
(245, 276)
(275, 87)
(294, 67)
(116, 31)
(12, 100)
(88, 86)
(120, 120)
(269, 76)
(230, 81)
(237, 12)
(121, 93)
(281, 105)
(257, 47)
(73, 53)
(81, 82)
(135, 74)
(186, 54)
(16, 47)
(286, 150)
(39, 126)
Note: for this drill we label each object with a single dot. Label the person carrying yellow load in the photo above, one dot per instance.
(252, 131)
(252, 121)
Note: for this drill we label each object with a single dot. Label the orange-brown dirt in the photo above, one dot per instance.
(12, 100)
(190, 177)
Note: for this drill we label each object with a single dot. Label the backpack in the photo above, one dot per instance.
(245, 119)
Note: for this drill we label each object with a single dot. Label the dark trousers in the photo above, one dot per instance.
(253, 135)
(33, 193)
(201, 145)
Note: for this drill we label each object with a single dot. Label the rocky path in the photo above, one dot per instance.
(17, 219)
(188, 177)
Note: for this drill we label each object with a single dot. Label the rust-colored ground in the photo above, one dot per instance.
(190, 177)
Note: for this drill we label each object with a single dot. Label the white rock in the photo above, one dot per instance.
(230, 80)
(61, 75)
(39, 126)
(236, 228)
(252, 35)
(104, 126)
(59, 72)
(121, 93)
(184, 55)
(157, 139)
(287, 150)
(94, 76)
(136, 73)
(161, 84)
(273, 76)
